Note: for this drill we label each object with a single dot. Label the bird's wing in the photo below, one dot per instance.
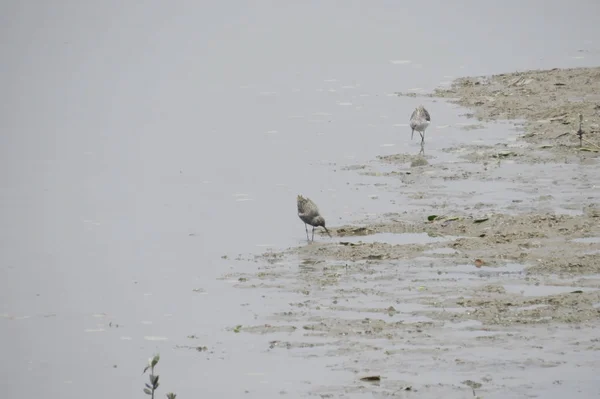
(427, 117)
(311, 207)
(414, 114)
(307, 208)
(300, 201)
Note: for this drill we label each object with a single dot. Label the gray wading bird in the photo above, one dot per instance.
(309, 214)
(419, 121)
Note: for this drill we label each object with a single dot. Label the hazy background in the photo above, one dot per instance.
(142, 141)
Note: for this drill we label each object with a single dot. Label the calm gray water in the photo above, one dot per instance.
(141, 142)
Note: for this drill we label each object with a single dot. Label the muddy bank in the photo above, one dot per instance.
(545, 243)
(498, 254)
(549, 101)
(545, 105)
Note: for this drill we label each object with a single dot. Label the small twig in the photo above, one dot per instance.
(154, 384)
(590, 143)
(580, 131)
(580, 134)
(150, 388)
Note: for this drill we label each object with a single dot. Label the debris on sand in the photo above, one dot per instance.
(371, 378)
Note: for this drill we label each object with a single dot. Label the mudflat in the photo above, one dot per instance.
(489, 285)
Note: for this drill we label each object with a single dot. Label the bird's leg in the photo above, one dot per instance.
(412, 133)
(313, 234)
(306, 228)
(422, 136)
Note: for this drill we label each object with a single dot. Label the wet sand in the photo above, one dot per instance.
(490, 291)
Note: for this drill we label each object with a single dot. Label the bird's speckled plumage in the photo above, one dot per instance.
(308, 212)
(419, 121)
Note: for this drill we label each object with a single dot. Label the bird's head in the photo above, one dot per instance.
(320, 221)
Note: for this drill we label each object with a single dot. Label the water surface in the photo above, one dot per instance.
(142, 144)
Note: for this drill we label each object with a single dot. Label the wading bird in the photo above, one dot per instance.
(419, 121)
(309, 214)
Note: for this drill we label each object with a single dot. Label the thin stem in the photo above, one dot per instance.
(580, 131)
(152, 373)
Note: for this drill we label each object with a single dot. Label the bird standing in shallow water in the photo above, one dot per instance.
(309, 214)
(419, 121)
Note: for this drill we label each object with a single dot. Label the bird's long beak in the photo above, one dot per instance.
(327, 231)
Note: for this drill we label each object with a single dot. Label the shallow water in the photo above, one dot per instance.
(588, 240)
(541, 290)
(399, 239)
(141, 145)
